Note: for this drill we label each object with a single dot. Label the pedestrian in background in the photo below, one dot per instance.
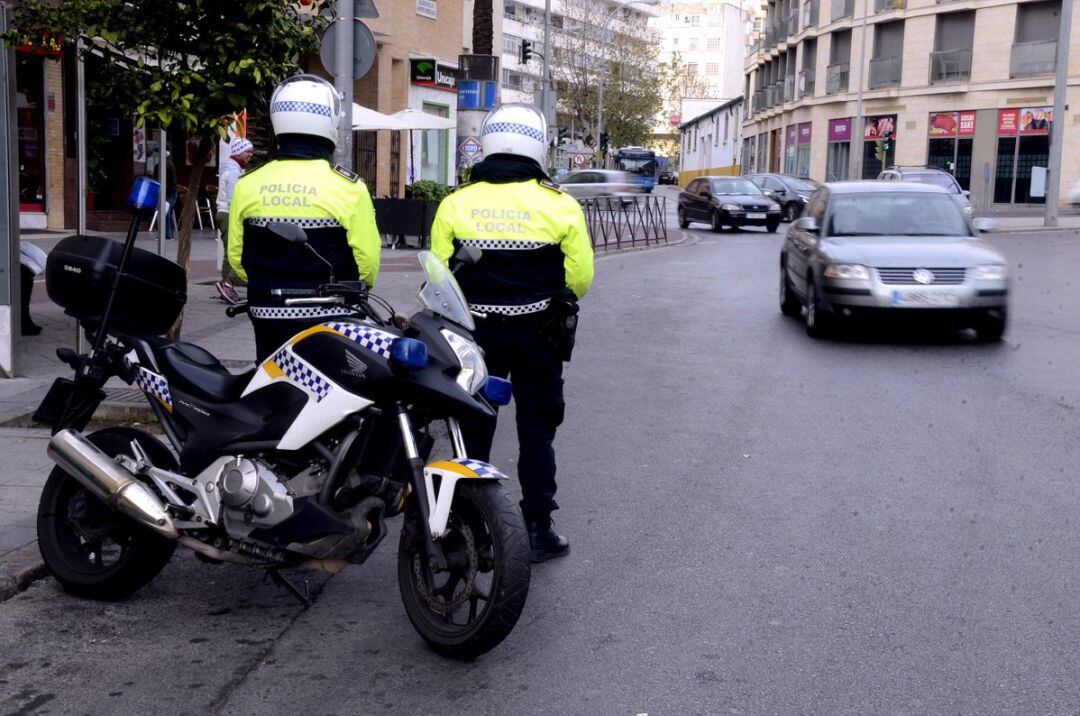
(240, 151)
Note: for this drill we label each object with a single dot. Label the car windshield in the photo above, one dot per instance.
(907, 214)
(734, 186)
(803, 184)
(942, 180)
(441, 292)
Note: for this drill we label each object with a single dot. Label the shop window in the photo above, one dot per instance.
(837, 161)
(802, 161)
(953, 156)
(434, 147)
(30, 110)
(1026, 145)
(1003, 175)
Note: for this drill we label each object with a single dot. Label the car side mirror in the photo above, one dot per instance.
(965, 192)
(289, 232)
(808, 224)
(983, 224)
(770, 193)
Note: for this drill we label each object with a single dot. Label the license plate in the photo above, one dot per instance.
(755, 216)
(924, 298)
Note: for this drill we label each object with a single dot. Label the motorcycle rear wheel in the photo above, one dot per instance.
(478, 599)
(92, 551)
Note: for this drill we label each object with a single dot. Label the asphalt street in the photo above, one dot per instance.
(761, 523)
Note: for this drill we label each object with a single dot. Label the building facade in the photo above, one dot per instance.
(712, 143)
(708, 38)
(962, 85)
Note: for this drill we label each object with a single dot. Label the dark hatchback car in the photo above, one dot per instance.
(727, 201)
(929, 175)
(896, 249)
(791, 193)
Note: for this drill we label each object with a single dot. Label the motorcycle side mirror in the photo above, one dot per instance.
(289, 232)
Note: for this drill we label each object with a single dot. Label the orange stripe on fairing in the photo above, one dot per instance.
(310, 332)
(453, 467)
(164, 404)
(273, 369)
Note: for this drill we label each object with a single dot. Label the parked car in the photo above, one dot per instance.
(930, 175)
(897, 248)
(791, 193)
(727, 201)
(667, 177)
(587, 183)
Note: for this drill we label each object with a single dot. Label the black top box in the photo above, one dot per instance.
(79, 276)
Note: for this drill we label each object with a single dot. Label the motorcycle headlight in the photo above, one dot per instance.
(473, 373)
(851, 271)
(991, 272)
(731, 207)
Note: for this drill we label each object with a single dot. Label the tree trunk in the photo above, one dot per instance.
(483, 29)
(187, 219)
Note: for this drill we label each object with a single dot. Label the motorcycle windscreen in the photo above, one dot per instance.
(441, 292)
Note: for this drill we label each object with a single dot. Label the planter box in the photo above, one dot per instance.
(404, 218)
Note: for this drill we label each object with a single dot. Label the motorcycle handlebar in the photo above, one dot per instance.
(234, 311)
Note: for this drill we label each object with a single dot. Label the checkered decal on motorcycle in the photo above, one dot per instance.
(482, 469)
(296, 312)
(505, 244)
(303, 375)
(513, 128)
(309, 107)
(374, 340)
(155, 386)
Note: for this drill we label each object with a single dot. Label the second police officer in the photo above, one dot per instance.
(300, 186)
(536, 263)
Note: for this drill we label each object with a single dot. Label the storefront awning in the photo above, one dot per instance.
(415, 119)
(364, 119)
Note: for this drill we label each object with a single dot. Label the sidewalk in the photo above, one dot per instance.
(1033, 222)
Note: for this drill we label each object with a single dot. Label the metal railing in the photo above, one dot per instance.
(777, 93)
(617, 222)
(759, 101)
(836, 77)
(1033, 58)
(789, 88)
(793, 22)
(887, 5)
(842, 9)
(753, 49)
(950, 65)
(806, 83)
(779, 31)
(810, 13)
(885, 71)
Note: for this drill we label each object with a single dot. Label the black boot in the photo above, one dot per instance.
(545, 543)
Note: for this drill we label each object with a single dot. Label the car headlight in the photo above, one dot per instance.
(991, 272)
(773, 206)
(731, 207)
(473, 373)
(849, 271)
(804, 197)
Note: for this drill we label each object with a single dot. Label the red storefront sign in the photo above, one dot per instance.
(791, 135)
(805, 130)
(877, 126)
(952, 124)
(1008, 121)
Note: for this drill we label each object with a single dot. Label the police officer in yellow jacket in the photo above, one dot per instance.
(301, 187)
(536, 262)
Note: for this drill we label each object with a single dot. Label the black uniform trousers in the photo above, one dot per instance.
(514, 348)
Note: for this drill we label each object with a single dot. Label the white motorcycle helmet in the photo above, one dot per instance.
(306, 104)
(517, 129)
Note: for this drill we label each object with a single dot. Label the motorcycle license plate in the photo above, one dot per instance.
(925, 298)
(756, 216)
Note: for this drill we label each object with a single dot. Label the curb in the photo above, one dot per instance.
(1036, 230)
(19, 569)
(686, 238)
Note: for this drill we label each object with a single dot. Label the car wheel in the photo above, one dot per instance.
(789, 306)
(684, 223)
(716, 225)
(791, 212)
(991, 326)
(772, 225)
(818, 320)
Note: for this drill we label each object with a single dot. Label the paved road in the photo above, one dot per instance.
(761, 523)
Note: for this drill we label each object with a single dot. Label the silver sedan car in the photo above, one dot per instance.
(585, 183)
(897, 249)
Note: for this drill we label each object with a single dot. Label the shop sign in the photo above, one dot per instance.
(840, 130)
(1029, 120)
(952, 124)
(791, 134)
(878, 126)
(477, 94)
(805, 130)
(430, 73)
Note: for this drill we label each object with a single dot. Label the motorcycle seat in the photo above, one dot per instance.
(196, 371)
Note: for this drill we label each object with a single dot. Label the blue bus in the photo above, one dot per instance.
(640, 162)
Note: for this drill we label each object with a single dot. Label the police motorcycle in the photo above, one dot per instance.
(298, 462)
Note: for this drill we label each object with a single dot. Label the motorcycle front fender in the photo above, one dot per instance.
(449, 472)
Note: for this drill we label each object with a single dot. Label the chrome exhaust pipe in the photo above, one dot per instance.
(109, 482)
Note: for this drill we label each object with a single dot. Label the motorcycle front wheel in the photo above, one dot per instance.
(475, 602)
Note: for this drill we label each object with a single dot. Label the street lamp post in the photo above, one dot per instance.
(603, 63)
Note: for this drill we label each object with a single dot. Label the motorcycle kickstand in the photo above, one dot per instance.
(282, 581)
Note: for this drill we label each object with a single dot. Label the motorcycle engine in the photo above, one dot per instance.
(253, 496)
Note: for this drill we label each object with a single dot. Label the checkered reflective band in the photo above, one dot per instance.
(289, 313)
(302, 374)
(308, 107)
(321, 223)
(505, 244)
(374, 340)
(482, 469)
(512, 310)
(513, 128)
(155, 386)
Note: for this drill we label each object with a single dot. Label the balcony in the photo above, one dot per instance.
(810, 13)
(759, 101)
(1033, 58)
(842, 9)
(770, 36)
(950, 66)
(793, 22)
(836, 77)
(777, 93)
(789, 88)
(885, 72)
(753, 49)
(779, 31)
(806, 83)
(888, 5)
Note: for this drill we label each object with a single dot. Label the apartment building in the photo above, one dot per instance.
(709, 39)
(962, 85)
(712, 142)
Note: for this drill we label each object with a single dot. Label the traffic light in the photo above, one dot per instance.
(603, 141)
(526, 51)
(886, 140)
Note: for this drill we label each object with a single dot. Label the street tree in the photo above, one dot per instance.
(591, 38)
(186, 66)
(678, 83)
(483, 28)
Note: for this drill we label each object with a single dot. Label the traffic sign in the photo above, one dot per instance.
(471, 147)
(579, 159)
(363, 49)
